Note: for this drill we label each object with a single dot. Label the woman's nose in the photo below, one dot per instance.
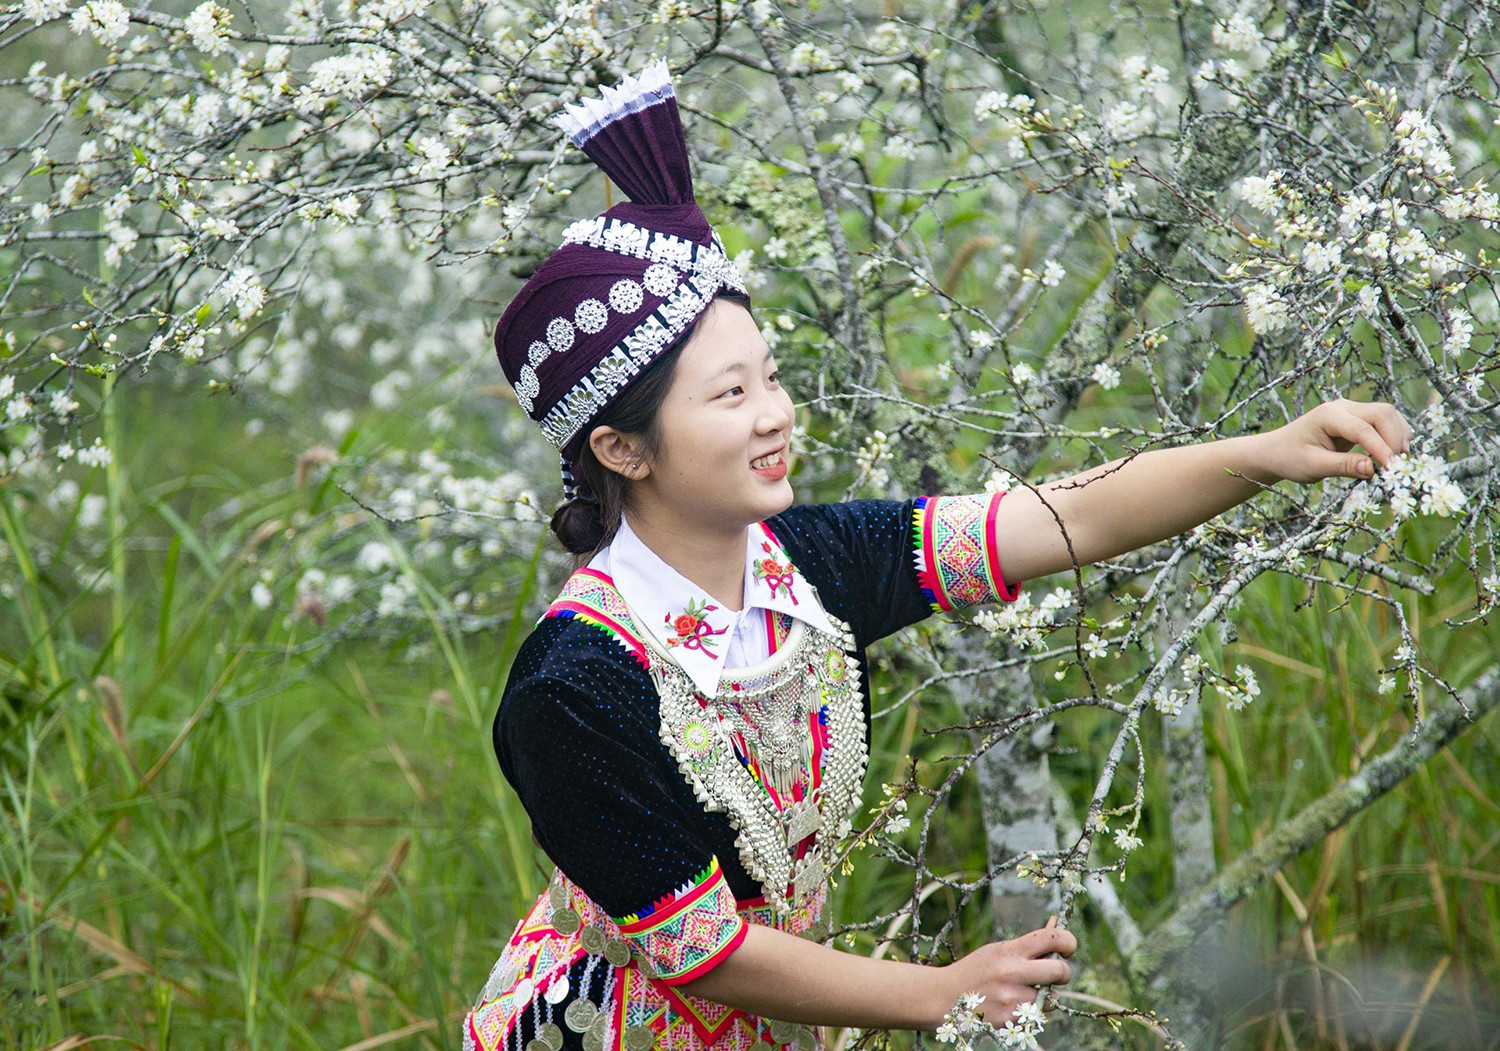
(776, 412)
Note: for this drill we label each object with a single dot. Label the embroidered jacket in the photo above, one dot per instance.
(663, 824)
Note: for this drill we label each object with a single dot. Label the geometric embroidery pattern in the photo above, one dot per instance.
(591, 596)
(956, 553)
(686, 937)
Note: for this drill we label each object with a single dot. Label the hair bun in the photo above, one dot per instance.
(579, 526)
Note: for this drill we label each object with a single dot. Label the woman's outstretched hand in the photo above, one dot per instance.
(1009, 973)
(1321, 442)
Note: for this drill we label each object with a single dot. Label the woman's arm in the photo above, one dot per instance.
(1127, 504)
(781, 976)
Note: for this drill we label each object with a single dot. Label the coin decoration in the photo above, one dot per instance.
(580, 1015)
(783, 1032)
(639, 1038)
(557, 992)
(566, 921)
(617, 952)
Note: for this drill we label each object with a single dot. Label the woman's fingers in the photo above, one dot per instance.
(1360, 423)
(1046, 941)
(1377, 428)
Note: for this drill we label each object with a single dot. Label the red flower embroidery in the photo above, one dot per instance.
(693, 631)
(776, 574)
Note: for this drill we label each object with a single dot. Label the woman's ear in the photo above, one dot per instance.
(619, 453)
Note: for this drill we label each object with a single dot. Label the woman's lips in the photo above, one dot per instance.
(772, 465)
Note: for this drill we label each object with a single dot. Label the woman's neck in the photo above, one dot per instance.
(714, 561)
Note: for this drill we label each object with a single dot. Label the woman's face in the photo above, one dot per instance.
(725, 427)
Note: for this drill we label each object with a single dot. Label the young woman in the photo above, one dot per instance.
(687, 725)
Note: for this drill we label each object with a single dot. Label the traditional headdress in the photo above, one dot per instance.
(625, 285)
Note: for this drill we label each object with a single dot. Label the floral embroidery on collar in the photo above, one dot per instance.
(693, 629)
(776, 574)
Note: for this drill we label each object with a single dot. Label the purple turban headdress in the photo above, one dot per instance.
(625, 285)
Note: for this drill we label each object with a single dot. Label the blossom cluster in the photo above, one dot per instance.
(1026, 625)
(963, 1026)
(1412, 483)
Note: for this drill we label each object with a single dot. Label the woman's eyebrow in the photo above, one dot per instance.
(736, 366)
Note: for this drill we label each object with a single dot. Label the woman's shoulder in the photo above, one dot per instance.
(571, 681)
(585, 645)
(842, 535)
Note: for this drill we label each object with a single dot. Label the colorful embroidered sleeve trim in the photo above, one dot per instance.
(689, 933)
(956, 551)
(591, 596)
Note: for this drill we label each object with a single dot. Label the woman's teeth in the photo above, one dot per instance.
(766, 461)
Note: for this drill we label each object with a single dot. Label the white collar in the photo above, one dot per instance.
(687, 623)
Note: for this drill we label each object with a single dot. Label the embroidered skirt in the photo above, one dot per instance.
(573, 978)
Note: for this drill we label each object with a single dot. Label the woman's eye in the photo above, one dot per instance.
(732, 391)
(775, 379)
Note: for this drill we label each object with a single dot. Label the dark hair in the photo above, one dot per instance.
(587, 523)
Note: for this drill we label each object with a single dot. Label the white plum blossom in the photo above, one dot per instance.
(433, 153)
(40, 11)
(1106, 375)
(1356, 210)
(1419, 481)
(62, 404)
(96, 455)
(1460, 332)
(808, 57)
(1138, 76)
(245, 291)
(220, 226)
(122, 239)
(374, 557)
(106, 20)
(208, 26)
(870, 457)
(1118, 195)
(1443, 498)
(1127, 120)
(1322, 256)
(1265, 309)
(1025, 1025)
(1237, 33)
(345, 208)
(352, 74)
(1421, 143)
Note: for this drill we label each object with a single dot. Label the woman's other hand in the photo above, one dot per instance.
(1321, 442)
(1009, 973)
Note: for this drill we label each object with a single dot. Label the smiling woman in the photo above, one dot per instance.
(687, 726)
